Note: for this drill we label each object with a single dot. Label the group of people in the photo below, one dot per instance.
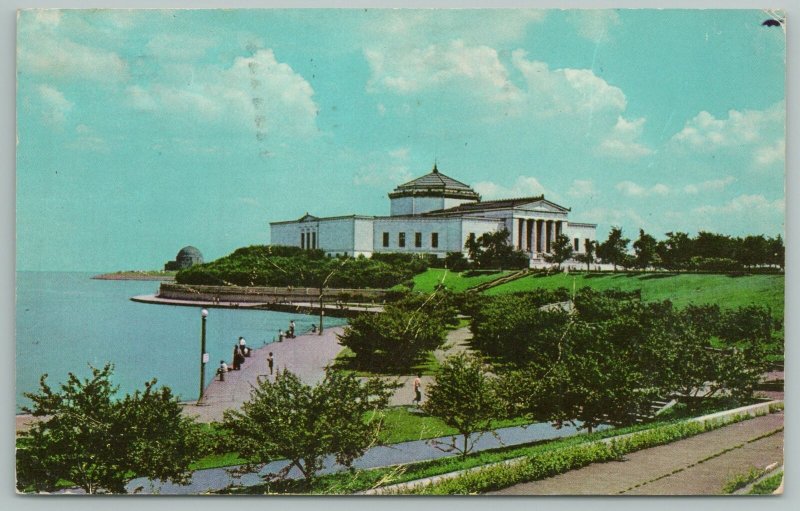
(240, 352)
(289, 334)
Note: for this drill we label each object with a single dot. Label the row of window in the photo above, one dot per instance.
(401, 239)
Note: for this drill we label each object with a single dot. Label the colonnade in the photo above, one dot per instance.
(537, 235)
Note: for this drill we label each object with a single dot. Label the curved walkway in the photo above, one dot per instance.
(306, 356)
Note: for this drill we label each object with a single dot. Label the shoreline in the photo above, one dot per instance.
(308, 308)
(134, 275)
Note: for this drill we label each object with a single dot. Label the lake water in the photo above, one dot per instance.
(66, 321)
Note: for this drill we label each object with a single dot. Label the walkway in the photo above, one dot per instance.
(306, 356)
(699, 465)
(205, 481)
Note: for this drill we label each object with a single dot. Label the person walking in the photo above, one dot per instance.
(280, 335)
(270, 362)
(243, 347)
(238, 358)
(417, 389)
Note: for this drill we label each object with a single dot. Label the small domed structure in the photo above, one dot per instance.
(187, 256)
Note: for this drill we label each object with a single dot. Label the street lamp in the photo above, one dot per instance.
(203, 354)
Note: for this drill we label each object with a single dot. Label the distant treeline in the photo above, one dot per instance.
(274, 265)
(704, 252)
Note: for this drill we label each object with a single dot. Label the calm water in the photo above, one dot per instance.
(66, 321)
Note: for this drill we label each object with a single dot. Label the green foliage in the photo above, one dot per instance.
(267, 265)
(456, 261)
(645, 249)
(288, 419)
(768, 485)
(741, 480)
(492, 250)
(614, 249)
(89, 439)
(607, 359)
(588, 255)
(717, 252)
(561, 250)
(400, 336)
(464, 397)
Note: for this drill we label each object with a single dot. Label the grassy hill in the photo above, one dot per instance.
(681, 289)
(425, 282)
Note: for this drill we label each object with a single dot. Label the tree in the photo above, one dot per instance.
(776, 251)
(87, 438)
(675, 251)
(402, 334)
(492, 250)
(614, 249)
(287, 419)
(645, 250)
(587, 256)
(561, 251)
(464, 397)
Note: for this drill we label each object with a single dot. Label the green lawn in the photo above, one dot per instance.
(681, 289)
(425, 282)
(402, 424)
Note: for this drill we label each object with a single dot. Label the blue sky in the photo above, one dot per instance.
(140, 132)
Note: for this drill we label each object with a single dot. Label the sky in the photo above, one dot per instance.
(140, 132)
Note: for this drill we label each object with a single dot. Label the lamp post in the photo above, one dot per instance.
(203, 356)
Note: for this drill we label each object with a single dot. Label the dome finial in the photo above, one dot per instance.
(435, 170)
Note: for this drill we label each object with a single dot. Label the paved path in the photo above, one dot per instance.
(306, 356)
(457, 342)
(694, 466)
(214, 479)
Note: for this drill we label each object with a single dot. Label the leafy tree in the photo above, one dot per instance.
(675, 251)
(755, 250)
(287, 419)
(589, 247)
(492, 250)
(455, 261)
(614, 249)
(776, 251)
(645, 249)
(464, 397)
(401, 335)
(87, 438)
(561, 251)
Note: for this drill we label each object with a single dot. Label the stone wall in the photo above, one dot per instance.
(264, 294)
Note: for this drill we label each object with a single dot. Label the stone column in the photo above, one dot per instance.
(553, 225)
(534, 236)
(527, 246)
(520, 224)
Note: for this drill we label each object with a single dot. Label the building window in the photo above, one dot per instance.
(435, 239)
(303, 240)
(401, 240)
(577, 245)
(386, 239)
(418, 239)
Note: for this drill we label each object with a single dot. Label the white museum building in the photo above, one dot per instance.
(435, 214)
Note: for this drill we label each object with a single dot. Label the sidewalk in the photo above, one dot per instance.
(306, 356)
(699, 465)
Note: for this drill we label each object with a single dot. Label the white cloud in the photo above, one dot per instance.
(622, 141)
(56, 106)
(632, 189)
(713, 185)
(770, 154)
(705, 132)
(566, 91)
(615, 216)
(581, 189)
(56, 57)
(258, 91)
(524, 186)
(594, 24)
(751, 204)
(418, 69)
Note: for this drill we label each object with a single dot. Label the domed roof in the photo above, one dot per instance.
(435, 184)
(189, 251)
